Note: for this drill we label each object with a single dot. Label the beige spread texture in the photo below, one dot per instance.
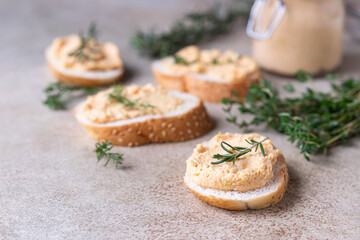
(100, 108)
(228, 65)
(175, 117)
(106, 56)
(101, 65)
(209, 74)
(250, 172)
(255, 181)
(52, 187)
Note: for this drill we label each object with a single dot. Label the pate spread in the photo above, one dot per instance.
(228, 65)
(100, 108)
(309, 37)
(100, 56)
(251, 171)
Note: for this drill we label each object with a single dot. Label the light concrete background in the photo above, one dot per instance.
(52, 188)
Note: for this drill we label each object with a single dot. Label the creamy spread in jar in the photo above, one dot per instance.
(228, 65)
(249, 172)
(99, 56)
(149, 100)
(309, 37)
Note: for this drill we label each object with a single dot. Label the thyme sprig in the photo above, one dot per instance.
(193, 28)
(236, 152)
(118, 95)
(58, 92)
(316, 121)
(88, 43)
(102, 149)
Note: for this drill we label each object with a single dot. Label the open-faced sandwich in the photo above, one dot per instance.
(134, 115)
(84, 61)
(237, 172)
(209, 74)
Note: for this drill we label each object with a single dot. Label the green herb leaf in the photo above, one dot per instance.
(92, 31)
(289, 88)
(57, 93)
(118, 95)
(316, 121)
(236, 152)
(332, 76)
(180, 60)
(262, 149)
(214, 61)
(80, 53)
(303, 76)
(103, 150)
(193, 28)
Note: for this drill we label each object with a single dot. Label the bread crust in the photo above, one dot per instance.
(256, 203)
(191, 124)
(210, 91)
(81, 81)
(171, 82)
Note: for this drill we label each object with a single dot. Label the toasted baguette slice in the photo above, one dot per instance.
(189, 121)
(259, 198)
(167, 79)
(81, 78)
(207, 88)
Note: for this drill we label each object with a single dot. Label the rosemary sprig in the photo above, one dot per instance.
(102, 150)
(236, 152)
(118, 95)
(56, 94)
(316, 121)
(193, 28)
(80, 53)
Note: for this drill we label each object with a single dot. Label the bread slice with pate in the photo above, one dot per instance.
(254, 181)
(92, 64)
(134, 115)
(209, 74)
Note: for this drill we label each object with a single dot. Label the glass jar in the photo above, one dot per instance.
(289, 35)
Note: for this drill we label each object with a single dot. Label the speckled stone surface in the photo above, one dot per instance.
(52, 188)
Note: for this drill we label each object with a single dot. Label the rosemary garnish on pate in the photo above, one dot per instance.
(58, 92)
(102, 150)
(236, 152)
(118, 95)
(88, 43)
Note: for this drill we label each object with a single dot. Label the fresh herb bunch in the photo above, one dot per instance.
(193, 28)
(316, 121)
(88, 43)
(56, 94)
(102, 150)
(236, 152)
(118, 95)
